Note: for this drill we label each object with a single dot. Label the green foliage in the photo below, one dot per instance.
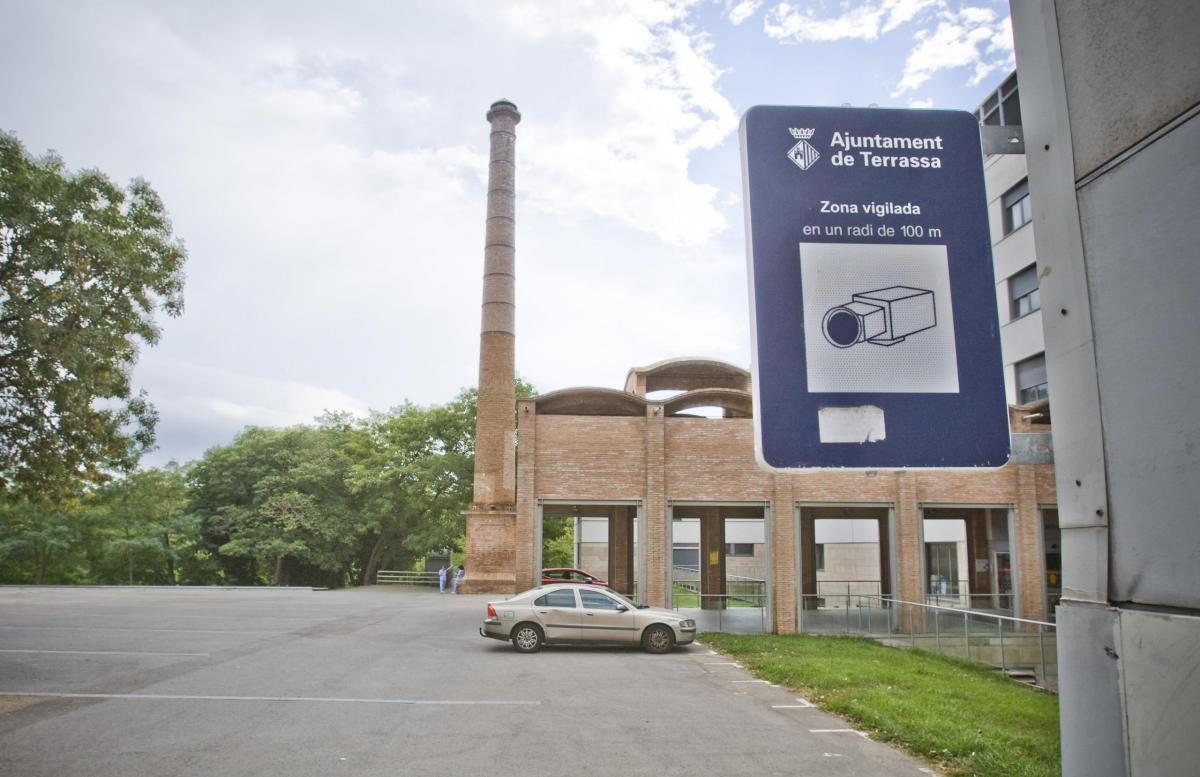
(84, 267)
(137, 528)
(326, 504)
(38, 543)
(964, 716)
(558, 542)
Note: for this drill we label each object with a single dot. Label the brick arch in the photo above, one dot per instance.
(735, 403)
(588, 400)
(686, 374)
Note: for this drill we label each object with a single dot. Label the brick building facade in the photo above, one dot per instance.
(626, 455)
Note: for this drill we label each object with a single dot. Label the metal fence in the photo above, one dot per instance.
(405, 577)
(741, 614)
(1025, 649)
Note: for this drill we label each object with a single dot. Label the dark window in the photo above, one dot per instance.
(686, 556)
(1017, 210)
(941, 564)
(594, 600)
(739, 549)
(1003, 106)
(820, 557)
(556, 599)
(557, 574)
(1031, 379)
(1024, 293)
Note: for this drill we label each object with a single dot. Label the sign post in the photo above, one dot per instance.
(876, 342)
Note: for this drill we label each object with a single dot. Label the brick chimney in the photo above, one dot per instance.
(491, 519)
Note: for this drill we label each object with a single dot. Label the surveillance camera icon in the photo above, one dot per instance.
(881, 317)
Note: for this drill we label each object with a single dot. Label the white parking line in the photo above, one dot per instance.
(750, 681)
(189, 697)
(102, 652)
(837, 731)
(113, 628)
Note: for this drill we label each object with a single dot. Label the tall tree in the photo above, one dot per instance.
(84, 268)
(137, 529)
(412, 471)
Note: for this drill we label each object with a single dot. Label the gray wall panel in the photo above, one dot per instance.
(1089, 679)
(1142, 239)
(1161, 676)
(1130, 68)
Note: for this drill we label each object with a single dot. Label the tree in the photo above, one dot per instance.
(276, 502)
(38, 542)
(412, 470)
(136, 528)
(84, 268)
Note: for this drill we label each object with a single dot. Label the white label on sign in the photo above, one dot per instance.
(851, 424)
(877, 318)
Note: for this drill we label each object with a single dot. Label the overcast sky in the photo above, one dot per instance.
(325, 164)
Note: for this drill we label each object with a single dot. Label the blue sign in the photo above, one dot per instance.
(876, 342)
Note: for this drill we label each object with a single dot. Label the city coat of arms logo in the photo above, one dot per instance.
(803, 154)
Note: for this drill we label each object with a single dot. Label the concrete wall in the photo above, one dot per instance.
(1110, 96)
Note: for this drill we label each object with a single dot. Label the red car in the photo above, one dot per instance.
(566, 575)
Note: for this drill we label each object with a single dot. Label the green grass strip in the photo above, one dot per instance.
(965, 718)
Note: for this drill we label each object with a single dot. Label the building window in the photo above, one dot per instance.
(1017, 210)
(1003, 106)
(1024, 292)
(1031, 379)
(941, 563)
(820, 557)
(739, 549)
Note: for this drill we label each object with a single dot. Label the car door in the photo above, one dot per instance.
(604, 618)
(558, 613)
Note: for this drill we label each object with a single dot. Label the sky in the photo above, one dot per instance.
(325, 165)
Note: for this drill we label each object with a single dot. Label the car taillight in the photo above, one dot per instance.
(491, 610)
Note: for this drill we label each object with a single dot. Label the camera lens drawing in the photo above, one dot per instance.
(881, 317)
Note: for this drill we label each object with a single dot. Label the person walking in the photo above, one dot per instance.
(442, 579)
(458, 577)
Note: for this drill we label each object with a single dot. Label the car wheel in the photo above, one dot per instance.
(658, 639)
(527, 638)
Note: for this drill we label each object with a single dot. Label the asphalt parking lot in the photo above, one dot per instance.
(131, 682)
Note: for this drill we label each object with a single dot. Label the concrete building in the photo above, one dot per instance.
(1010, 214)
(1018, 293)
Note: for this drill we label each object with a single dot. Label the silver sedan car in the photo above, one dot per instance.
(583, 614)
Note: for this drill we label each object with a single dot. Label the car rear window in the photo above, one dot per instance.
(556, 599)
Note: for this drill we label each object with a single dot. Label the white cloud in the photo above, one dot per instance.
(204, 405)
(327, 168)
(926, 103)
(970, 37)
(627, 158)
(741, 11)
(866, 21)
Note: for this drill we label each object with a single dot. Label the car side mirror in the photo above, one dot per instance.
(622, 608)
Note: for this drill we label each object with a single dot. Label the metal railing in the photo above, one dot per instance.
(407, 577)
(744, 613)
(740, 591)
(1021, 647)
(997, 603)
